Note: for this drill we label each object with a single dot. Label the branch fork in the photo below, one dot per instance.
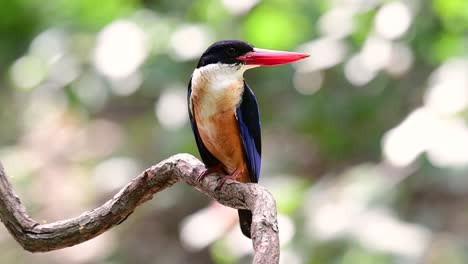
(36, 237)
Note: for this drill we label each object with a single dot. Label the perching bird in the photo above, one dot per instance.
(224, 113)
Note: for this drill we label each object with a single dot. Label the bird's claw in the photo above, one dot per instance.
(203, 175)
(216, 169)
(149, 173)
(223, 179)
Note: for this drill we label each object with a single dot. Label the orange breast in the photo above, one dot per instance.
(213, 108)
(220, 133)
(221, 136)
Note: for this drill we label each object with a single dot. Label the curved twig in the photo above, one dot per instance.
(36, 237)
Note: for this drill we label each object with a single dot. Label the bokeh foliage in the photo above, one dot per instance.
(364, 143)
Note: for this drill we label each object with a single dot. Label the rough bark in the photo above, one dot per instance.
(36, 237)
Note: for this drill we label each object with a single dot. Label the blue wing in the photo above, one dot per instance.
(248, 118)
(206, 156)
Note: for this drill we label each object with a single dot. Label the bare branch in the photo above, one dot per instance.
(37, 237)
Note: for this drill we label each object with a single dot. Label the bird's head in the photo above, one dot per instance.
(238, 56)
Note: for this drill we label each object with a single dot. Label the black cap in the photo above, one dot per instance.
(224, 51)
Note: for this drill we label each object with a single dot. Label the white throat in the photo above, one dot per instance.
(220, 76)
(218, 87)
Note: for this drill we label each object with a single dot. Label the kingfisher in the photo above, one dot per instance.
(224, 113)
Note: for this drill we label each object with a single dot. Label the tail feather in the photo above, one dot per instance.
(245, 221)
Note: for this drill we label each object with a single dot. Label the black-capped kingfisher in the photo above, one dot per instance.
(224, 113)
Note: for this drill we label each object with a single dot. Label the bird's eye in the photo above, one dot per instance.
(231, 51)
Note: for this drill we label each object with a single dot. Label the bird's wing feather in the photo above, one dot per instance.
(249, 124)
(206, 156)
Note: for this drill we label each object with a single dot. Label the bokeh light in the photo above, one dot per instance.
(448, 93)
(376, 53)
(386, 24)
(112, 174)
(28, 72)
(364, 143)
(403, 144)
(326, 53)
(91, 90)
(401, 60)
(238, 7)
(171, 108)
(337, 22)
(357, 72)
(189, 41)
(308, 83)
(120, 49)
(50, 44)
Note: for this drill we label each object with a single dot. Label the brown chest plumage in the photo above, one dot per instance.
(215, 114)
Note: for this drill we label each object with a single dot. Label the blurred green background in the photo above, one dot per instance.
(365, 143)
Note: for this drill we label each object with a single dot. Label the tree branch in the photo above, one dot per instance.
(36, 237)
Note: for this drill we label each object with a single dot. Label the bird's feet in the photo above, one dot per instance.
(216, 169)
(232, 176)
